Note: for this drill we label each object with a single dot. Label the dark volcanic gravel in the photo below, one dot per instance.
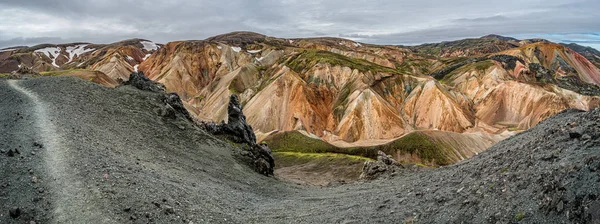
(107, 156)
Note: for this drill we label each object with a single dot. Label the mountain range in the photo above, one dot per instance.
(433, 104)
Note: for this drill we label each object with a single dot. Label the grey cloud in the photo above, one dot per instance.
(483, 19)
(28, 41)
(381, 22)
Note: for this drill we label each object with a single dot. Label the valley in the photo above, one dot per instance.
(111, 156)
(432, 104)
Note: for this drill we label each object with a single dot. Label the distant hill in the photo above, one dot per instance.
(588, 52)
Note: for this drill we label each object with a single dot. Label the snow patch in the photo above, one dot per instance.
(149, 45)
(219, 47)
(19, 65)
(291, 41)
(146, 57)
(77, 50)
(129, 58)
(236, 49)
(254, 51)
(11, 49)
(260, 59)
(357, 44)
(50, 51)
(135, 67)
(341, 43)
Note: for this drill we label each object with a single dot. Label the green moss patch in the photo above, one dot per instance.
(294, 141)
(60, 72)
(295, 157)
(306, 59)
(430, 152)
(471, 66)
(297, 142)
(419, 144)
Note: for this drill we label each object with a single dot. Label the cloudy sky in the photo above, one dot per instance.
(408, 22)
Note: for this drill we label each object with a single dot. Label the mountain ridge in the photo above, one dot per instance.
(346, 92)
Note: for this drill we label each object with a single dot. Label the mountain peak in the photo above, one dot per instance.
(499, 37)
(238, 37)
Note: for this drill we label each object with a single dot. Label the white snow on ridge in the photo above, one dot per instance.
(291, 41)
(149, 46)
(357, 44)
(236, 49)
(219, 47)
(135, 67)
(260, 59)
(254, 51)
(11, 49)
(54, 51)
(129, 58)
(77, 50)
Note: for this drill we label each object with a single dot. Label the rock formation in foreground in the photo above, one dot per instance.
(237, 130)
(383, 165)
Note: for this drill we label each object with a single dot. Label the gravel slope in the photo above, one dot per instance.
(118, 161)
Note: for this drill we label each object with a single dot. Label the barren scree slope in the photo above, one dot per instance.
(88, 153)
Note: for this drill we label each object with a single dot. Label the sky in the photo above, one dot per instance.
(403, 22)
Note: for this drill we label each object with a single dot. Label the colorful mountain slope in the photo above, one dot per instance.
(348, 93)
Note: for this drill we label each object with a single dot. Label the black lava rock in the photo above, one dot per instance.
(12, 153)
(140, 81)
(238, 130)
(509, 60)
(174, 105)
(15, 212)
(169, 210)
(39, 145)
(574, 134)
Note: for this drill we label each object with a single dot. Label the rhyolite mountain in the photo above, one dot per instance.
(115, 60)
(434, 104)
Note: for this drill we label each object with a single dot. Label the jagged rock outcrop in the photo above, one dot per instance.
(23, 71)
(140, 81)
(383, 165)
(172, 102)
(237, 130)
(236, 123)
(508, 60)
(173, 105)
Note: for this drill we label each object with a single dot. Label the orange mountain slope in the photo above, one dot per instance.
(345, 92)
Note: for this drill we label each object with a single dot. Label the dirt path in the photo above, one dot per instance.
(69, 195)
